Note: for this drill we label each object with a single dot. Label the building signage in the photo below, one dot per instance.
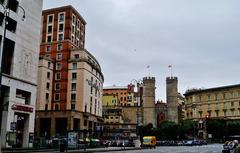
(72, 139)
(22, 108)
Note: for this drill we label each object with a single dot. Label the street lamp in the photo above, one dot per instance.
(6, 13)
(139, 123)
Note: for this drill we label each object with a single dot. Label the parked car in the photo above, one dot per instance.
(149, 141)
(229, 147)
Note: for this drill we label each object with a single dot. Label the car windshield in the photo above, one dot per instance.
(147, 140)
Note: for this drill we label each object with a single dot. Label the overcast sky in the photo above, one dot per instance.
(200, 38)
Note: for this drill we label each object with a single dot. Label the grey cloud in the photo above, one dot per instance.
(199, 37)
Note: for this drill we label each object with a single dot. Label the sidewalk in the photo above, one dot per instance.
(109, 149)
(88, 150)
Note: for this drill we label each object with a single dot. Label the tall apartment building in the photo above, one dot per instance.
(70, 78)
(19, 70)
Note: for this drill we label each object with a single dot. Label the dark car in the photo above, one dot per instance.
(193, 143)
(229, 147)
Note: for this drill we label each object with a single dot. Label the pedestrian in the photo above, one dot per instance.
(123, 144)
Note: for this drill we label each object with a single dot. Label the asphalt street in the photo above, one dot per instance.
(213, 148)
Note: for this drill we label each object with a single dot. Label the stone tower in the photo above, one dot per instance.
(172, 99)
(149, 115)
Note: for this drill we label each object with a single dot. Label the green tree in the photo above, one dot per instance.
(216, 127)
(169, 130)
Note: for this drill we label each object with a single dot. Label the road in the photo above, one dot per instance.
(213, 148)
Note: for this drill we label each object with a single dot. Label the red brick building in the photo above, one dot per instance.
(62, 30)
(69, 76)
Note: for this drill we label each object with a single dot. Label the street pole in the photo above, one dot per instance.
(138, 94)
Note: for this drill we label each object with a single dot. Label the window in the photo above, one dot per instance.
(48, 75)
(85, 109)
(231, 95)
(232, 103)
(59, 47)
(73, 19)
(74, 86)
(49, 38)
(57, 97)
(224, 95)
(58, 76)
(50, 18)
(225, 113)
(200, 98)
(216, 97)
(74, 65)
(73, 97)
(48, 86)
(49, 64)
(47, 96)
(60, 37)
(60, 27)
(85, 122)
(78, 24)
(76, 56)
(209, 97)
(59, 56)
(61, 17)
(74, 76)
(57, 86)
(48, 48)
(72, 38)
(73, 29)
(50, 29)
(73, 106)
(58, 66)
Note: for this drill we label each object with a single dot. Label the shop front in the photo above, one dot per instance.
(18, 126)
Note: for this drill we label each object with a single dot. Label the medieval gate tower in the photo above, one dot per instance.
(172, 99)
(149, 115)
